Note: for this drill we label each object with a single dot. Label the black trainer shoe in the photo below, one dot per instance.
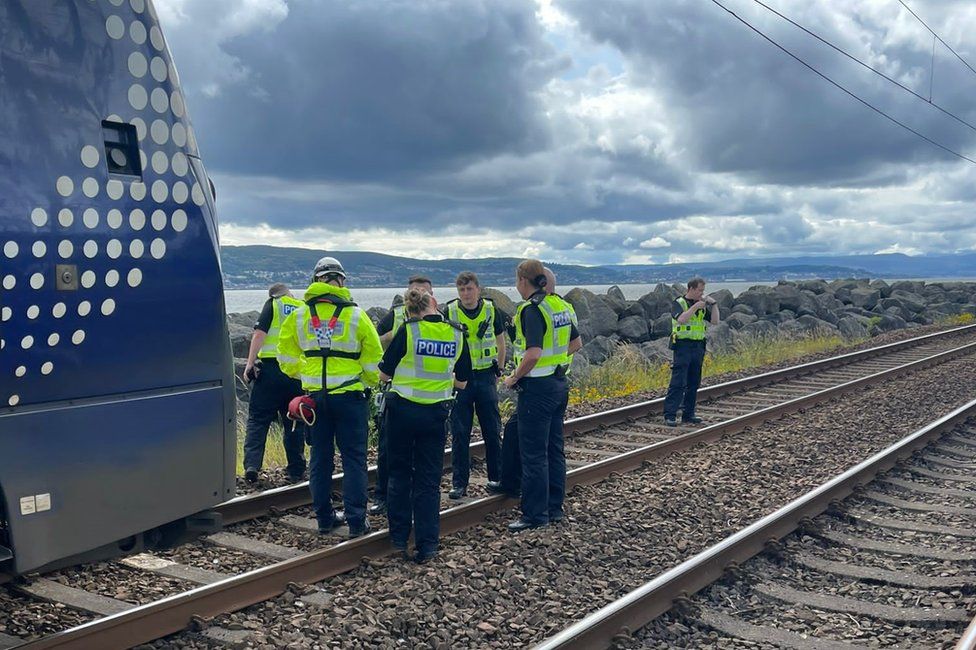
(296, 478)
(556, 519)
(251, 475)
(338, 519)
(378, 508)
(359, 531)
(424, 557)
(456, 493)
(521, 524)
(670, 421)
(691, 419)
(493, 486)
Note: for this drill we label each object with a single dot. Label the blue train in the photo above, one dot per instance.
(117, 413)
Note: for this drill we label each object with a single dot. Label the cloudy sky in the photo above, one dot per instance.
(627, 131)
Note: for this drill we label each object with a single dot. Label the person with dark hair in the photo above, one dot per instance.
(271, 390)
(331, 345)
(545, 337)
(387, 328)
(426, 361)
(688, 344)
(484, 325)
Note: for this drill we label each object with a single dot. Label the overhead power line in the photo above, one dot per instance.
(840, 87)
(869, 67)
(964, 62)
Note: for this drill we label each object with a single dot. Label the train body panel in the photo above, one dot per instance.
(117, 408)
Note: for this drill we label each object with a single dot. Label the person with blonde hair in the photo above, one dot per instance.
(545, 339)
(427, 359)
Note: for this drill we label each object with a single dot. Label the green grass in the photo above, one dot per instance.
(274, 450)
(627, 372)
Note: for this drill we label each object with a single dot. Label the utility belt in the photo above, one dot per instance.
(558, 373)
(393, 399)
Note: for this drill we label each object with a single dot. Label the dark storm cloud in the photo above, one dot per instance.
(377, 89)
(742, 106)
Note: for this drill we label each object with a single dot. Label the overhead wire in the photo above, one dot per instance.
(868, 66)
(840, 87)
(932, 31)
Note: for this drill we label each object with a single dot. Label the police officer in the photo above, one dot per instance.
(484, 324)
(426, 360)
(332, 346)
(545, 337)
(510, 483)
(688, 343)
(386, 329)
(271, 390)
(394, 318)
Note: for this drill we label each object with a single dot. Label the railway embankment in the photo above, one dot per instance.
(789, 315)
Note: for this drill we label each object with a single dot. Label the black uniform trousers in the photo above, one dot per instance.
(341, 420)
(481, 396)
(686, 372)
(382, 457)
(417, 433)
(270, 394)
(542, 403)
(511, 474)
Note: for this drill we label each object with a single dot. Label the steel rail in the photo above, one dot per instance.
(644, 604)
(252, 506)
(968, 639)
(145, 623)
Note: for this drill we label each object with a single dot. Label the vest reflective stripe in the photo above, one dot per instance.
(693, 330)
(484, 351)
(281, 307)
(557, 315)
(425, 374)
(343, 338)
(399, 318)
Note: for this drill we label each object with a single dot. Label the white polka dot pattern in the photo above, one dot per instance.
(153, 103)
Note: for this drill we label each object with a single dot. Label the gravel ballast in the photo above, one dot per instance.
(489, 588)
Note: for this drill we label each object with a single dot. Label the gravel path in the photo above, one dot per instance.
(492, 589)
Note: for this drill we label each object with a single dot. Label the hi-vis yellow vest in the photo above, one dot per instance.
(344, 339)
(693, 330)
(399, 318)
(425, 374)
(558, 315)
(483, 349)
(281, 307)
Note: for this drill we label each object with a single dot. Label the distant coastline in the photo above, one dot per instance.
(256, 267)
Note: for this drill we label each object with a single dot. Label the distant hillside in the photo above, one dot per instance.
(247, 267)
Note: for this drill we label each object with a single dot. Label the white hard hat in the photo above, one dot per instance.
(328, 266)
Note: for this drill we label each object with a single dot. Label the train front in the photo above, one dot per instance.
(117, 417)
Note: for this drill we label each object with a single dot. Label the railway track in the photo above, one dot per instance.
(882, 553)
(614, 441)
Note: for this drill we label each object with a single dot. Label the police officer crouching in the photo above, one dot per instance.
(545, 337)
(484, 325)
(426, 360)
(271, 389)
(332, 346)
(688, 343)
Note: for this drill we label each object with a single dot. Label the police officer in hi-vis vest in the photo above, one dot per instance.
(426, 360)
(332, 346)
(386, 328)
(484, 324)
(545, 337)
(271, 389)
(688, 343)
